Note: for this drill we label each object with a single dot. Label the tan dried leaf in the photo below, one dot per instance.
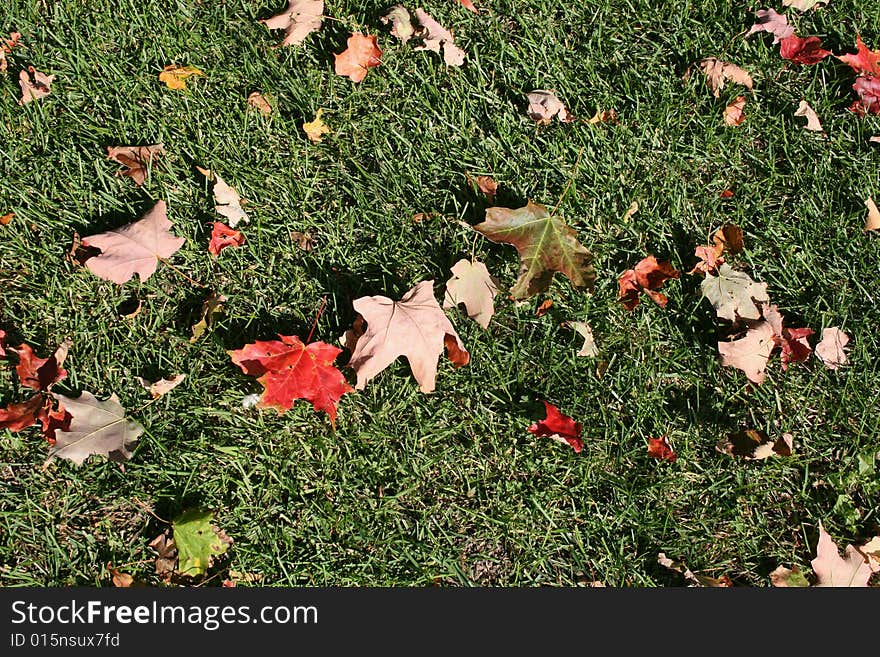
(137, 160)
(228, 202)
(718, 73)
(830, 348)
(162, 386)
(472, 285)
(853, 570)
(256, 100)
(872, 221)
(316, 129)
(300, 19)
(33, 89)
(544, 106)
(589, 348)
(807, 112)
(750, 353)
(436, 36)
(733, 113)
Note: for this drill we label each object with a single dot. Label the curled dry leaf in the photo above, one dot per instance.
(767, 20)
(414, 327)
(5, 219)
(223, 236)
(806, 111)
(228, 202)
(853, 570)
(803, 5)
(34, 86)
(589, 348)
(135, 248)
(545, 245)
(162, 386)
(830, 348)
(362, 54)
(559, 427)
(794, 344)
(469, 5)
(305, 241)
(316, 129)
(40, 373)
(544, 106)
(603, 116)
(488, 185)
(258, 101)
(436, 36)
(659, 448)
(401, 23)
(96, 428)
(718, 73)
(733, 113)
(872, 221)
(175, 77)
(692, 578)
(6, 46)
(544, 308)
(647, 276)
(166, 551)
(212, 306)
(754, 445)
(799, 50)
(300, 19)
(750, 353)
(472, 285)
(782, 577)
(137, 160)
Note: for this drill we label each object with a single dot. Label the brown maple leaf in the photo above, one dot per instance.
(872, 220)
(6, 46)
(414, 327)
(545, 245)
(136, 159)
(659, 448)
(17, 417)
(718, 73)
(830, 348)
(41, 373)
(258, 101)
(300, 19)
(435, 37)
(362, 54)
(289, 370)
(135, 248)
(734, 114)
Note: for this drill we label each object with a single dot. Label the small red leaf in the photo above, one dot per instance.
(647, 276)
(37, 373)
(802, 50)
(16, 417)
(660, 448)
(223, 236)
(865, 61)
(559, 427)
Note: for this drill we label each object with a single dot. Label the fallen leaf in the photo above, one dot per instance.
(865, 62)
(589, 348)
(733, 113)
(137, 160)
(17, 417)
(223, 236)
(806, 111)
(799, 50)
(301, 18)
(119, 579)
(472, 285)
(488, 186)
(175, 77)
(6, 218)
(754, 445)
(709, 260)
(830, 348)
(767, 20)
(603, 116)
(544, 106)
(305, 241)
(544, 308)
(795, 348)
(135, 248)
(803, 5)
(545, 245)
(2, 343)
(718, 73)
(647, 276)
(316, 129)
(256, 100)
(213, 305)
(750, 353)
(362, 54)
(40, 373)
(854, 570)
(872, 221)
(868, 91)
(53, 420)
(35, 89)
(436, 36)
(559, 427)
(6, 46)
(469, 5)
(290, 370)
(166, 559)
(401, 23)
(782, 577)
(875, 139)
(871, 549)
(630, 213)
(659, 448)
(162, 386)
(414, 327)
(228, 202)
(726, 193)
(249, 578)
(198, 541)
(728, 238)
(96, 427)
(692, 578)
(734, 294)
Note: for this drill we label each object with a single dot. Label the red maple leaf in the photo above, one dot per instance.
(559, 427)
(289, 369)
(795, 348)
(16, 417)
(802, 50)
(223, 236)
(868, 90)
(647, 276)
(865, 61)
(52, 421)
(37, 373)
(660, 448)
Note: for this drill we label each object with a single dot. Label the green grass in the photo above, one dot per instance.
(446, 488)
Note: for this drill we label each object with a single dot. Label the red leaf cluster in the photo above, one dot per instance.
(559, 427)
(647, 276)
(289, 370)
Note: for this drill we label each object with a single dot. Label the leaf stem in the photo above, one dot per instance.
(196, 283)
(570, 181)
(317, 317)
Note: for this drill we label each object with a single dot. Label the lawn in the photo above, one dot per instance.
(447, 488)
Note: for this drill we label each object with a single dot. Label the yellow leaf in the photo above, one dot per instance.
(316, 129)
(175, 76)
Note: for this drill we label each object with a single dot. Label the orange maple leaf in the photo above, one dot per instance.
(362, 53)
